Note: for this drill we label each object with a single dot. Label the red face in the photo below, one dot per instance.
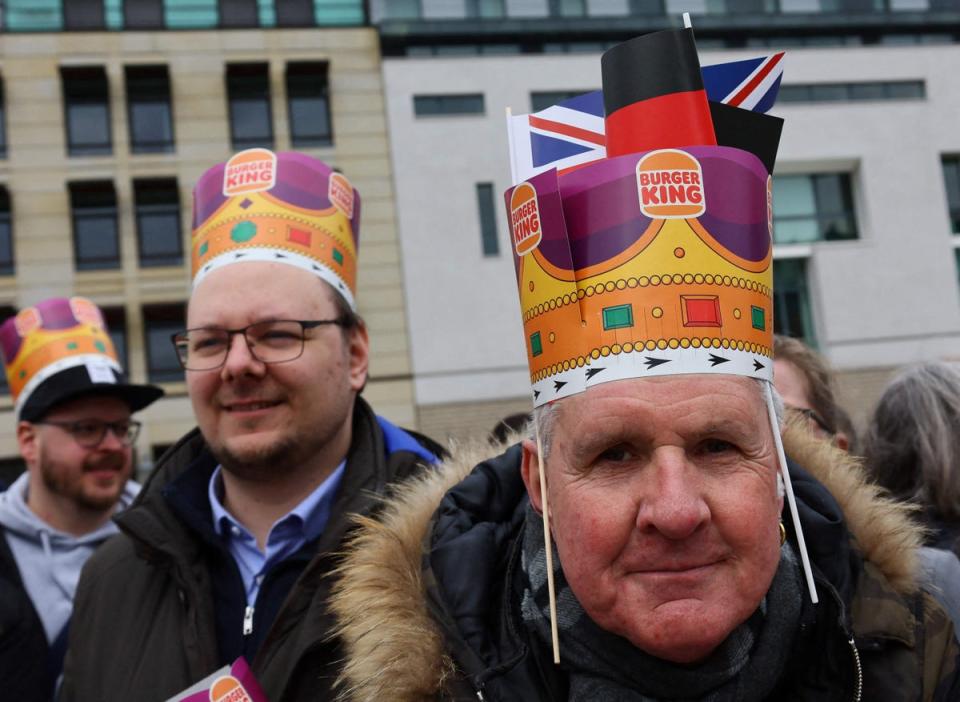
(91, 478)
(664, 507)
(262, 418)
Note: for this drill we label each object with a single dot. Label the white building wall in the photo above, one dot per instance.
(889, 298)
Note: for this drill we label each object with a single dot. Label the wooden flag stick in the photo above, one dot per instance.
(548, 542)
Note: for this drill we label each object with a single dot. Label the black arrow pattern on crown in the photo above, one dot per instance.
(238, 255)
(207, 268)
(557, 384)
(757, 366)
(315, 267)
(716, 360)
(592, 371)
(536, 394)
(278, 255)
(654, 362)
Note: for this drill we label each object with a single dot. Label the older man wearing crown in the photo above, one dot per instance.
(75, 433)
(651, 533)
(225, 558)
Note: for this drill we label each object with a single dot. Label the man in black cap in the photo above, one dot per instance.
(75, 434)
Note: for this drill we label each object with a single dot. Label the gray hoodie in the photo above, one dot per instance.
(50, 560)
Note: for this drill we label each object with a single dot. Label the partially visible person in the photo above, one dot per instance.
(225, 556)
(75, 433)
(805, 383)
(912, 448)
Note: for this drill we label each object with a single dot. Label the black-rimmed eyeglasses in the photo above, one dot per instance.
(272, 341)
(89, 433)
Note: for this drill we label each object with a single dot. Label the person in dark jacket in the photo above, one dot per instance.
(226, 553)
(649, 540)
(75, 434)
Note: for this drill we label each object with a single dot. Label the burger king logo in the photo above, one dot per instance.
(525, 219)
(340, 193)
(670, 185)
(250, 171)
(228, 689)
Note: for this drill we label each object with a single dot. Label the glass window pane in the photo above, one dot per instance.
(87, 110)
(486, 206)
(425, 105)
(3, 124)
(239, 13)
(791, 303)
(248, 91)
(401, 9)
(830, 195)
(906, 90)
(793, 196)
(160, 322)
(951, 177)
(308, 105)
(158, 222)
(828, 92)
(149, 109)
(867, 91)
(795, 231)
(95, 240)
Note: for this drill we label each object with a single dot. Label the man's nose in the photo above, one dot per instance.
(673, 504)
(240, 359)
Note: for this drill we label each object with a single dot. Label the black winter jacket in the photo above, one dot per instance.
(144, 620)
(449, 595)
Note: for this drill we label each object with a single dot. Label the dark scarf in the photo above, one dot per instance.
(603, 667)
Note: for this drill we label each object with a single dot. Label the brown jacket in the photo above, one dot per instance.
(884, 638)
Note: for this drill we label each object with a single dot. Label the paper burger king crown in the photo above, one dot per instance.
(59, 349)
(655, 260)
(286, 208)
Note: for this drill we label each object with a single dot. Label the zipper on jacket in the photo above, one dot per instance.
(248, 621)
(856, 662)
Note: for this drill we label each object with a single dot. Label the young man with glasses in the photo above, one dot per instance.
(76, 436)
(231, 545)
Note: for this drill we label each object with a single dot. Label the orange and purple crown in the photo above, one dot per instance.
(59, 349)
(286, 208)
(655, 260)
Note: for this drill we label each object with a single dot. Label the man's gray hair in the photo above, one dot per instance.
(544, 418)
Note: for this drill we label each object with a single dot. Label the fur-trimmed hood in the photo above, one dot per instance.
(380, 597)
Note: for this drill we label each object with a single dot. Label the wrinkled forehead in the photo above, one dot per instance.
(248, 292)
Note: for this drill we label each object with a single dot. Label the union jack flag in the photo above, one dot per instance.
(571, 134)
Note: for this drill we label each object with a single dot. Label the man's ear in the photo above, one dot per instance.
(841, 441)
(358, 348)
(28, 442)
(530, 471)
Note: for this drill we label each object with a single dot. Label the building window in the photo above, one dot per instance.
(157, 203)
(567, 8)
(239, 13)
(83, 14)
(401, 9)
(148, 109)
(431, 105)
(248, 92)
(486, 206)
(815, 207)
(3, 123)
(740, 7)
(543, 100)
(160, 322)
(116, 319)
(951, 178)
(294, 13)
(646, 7)
(486, 9)
(95, 241)
(853, 92)
(308, 104)
(6, 233)
(143, 14)
(791, 302)
(86, 100)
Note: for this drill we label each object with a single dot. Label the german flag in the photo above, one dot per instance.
(653, 94)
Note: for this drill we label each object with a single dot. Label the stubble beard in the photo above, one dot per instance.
(62, 483)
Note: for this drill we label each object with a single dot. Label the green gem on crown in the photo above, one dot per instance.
(72, 346)
(204, 247)
(243, 232)
(100, 346)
